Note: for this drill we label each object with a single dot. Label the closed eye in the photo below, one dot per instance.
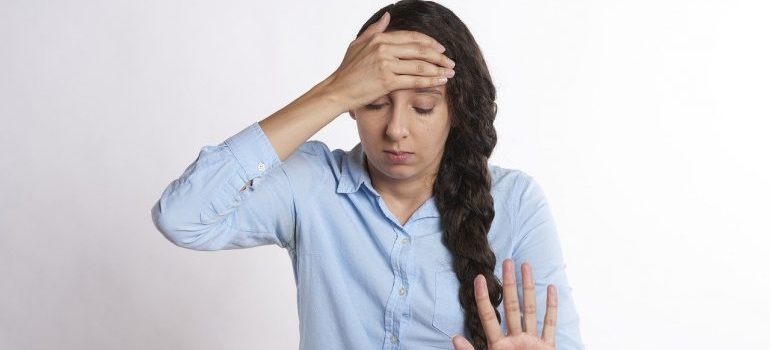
(373, 107)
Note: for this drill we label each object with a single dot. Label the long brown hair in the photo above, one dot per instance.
(462, 186)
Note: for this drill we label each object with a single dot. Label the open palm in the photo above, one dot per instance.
(518, 337)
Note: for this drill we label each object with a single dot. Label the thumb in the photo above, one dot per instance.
(460, 343)
(378, 26)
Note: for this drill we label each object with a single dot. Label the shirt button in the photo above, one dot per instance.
(405, 240)
(261, 166)
(402, 291)
(393, 338)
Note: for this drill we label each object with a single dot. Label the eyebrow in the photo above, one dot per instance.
(428, 91)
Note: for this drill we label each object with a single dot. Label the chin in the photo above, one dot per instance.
(396, 171)
(402, 174)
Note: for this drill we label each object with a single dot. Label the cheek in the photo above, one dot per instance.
(366, 125)
(370, 121)
(433, 133)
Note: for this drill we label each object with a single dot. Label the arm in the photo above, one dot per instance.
(224, 201)
(538, 243)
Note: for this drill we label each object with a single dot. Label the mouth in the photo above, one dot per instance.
(398, 157)
(398, 153)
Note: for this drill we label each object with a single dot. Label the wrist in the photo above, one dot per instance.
(326, 92)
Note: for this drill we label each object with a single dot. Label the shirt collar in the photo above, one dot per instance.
(353, 174)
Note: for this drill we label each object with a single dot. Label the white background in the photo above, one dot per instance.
(644, 121)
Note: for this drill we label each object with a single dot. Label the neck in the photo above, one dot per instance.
(415, 190)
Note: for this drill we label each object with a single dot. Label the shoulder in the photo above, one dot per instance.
(320, 153)
(515, 191)
(312, 162)
(507, 182)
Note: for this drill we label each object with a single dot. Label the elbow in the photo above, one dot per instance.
(177, 232)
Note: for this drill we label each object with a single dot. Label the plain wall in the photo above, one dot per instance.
(646, 123)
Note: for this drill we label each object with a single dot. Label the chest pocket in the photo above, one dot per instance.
(448, 315)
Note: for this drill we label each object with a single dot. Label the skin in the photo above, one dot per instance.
(397, 122)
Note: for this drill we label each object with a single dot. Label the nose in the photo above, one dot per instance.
(398, 125)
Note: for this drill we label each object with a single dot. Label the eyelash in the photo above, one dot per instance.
(419, 110)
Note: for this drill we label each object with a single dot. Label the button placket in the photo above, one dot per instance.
(398, 310)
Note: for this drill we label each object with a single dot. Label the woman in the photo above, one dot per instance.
(400, 241)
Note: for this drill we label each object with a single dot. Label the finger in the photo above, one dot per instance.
(486, 310)
(420, 52)
(417, 67)
(460, 343)
(415, 82)
(549, 324)
(528, 285)
(377, 26)
(410, 37)
(511, 298)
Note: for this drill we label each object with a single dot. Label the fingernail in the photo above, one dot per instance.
(479, 281)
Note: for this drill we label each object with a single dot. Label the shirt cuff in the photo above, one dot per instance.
(253, 150)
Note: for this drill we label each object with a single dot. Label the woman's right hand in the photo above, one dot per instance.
(377, 63)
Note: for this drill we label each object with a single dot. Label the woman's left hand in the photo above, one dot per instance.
(516, 338)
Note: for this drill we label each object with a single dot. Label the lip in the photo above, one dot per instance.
(398, 157)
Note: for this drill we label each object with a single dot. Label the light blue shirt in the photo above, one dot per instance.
(364, 281)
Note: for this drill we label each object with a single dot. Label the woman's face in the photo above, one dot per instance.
(411, 120)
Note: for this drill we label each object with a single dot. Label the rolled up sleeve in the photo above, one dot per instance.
(233, 195)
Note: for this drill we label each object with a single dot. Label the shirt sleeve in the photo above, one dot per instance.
(538, 243)
(234, 195)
